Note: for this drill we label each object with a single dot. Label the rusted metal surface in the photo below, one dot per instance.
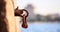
(19, 12)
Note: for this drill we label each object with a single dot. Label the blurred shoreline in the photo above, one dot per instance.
(44, 22)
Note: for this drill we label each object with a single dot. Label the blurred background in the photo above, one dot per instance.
(44, 15)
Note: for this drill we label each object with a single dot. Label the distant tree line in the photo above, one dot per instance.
(45, 18)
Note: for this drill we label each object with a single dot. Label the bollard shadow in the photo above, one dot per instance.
(3, 24)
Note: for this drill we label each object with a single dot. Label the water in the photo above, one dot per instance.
(42, 27)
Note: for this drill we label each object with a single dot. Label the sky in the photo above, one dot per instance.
(42, 7)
